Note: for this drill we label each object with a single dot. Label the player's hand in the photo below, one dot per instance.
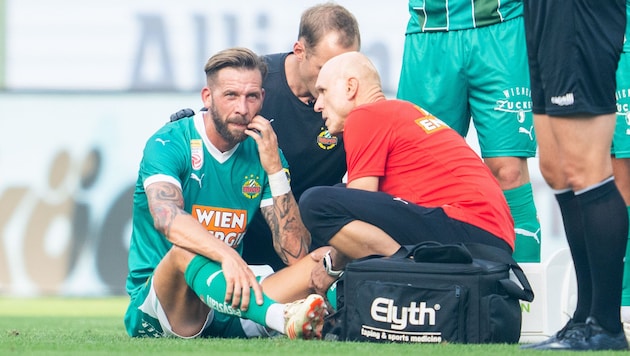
(240, 281)
(261, 131)
(320, 280)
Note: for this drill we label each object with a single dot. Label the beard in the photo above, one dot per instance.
(232, 137)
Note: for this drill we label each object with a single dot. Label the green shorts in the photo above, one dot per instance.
(479, 73)
(146, 318)
(621, 139)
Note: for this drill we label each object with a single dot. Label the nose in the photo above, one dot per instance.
(240, 106)
(319, 104)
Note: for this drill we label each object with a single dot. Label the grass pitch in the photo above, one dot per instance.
(80, 326)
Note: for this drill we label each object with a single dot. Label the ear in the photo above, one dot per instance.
(206, 97)
(352, 87)
(299, 50)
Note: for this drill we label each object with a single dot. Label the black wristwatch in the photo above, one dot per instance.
(327, 261)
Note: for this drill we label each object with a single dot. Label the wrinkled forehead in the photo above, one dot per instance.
(239, 78)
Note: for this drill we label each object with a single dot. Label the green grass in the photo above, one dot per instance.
(78, 326)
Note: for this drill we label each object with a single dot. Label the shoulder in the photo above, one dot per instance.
(275, 61)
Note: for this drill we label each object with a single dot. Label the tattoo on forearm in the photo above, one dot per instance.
(284, 222)
(165, 202)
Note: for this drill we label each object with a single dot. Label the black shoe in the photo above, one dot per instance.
(570, 327)
(588, 337)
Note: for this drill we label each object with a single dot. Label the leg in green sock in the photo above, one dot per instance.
(526, 224)
(206, 278)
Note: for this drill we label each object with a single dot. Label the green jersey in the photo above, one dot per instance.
(453, 15)
(222, 190)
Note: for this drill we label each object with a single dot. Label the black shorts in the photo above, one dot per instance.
(325, 210)
(573, 49)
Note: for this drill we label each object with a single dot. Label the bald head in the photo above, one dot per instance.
(353, 65)
(345, 82)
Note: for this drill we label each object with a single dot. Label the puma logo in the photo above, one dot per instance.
(526, 131)
(527, 233)
(197, 178)
(163, 142)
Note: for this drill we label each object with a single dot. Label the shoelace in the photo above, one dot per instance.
(574, 330)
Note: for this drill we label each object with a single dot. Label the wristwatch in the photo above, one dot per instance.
(327, 261)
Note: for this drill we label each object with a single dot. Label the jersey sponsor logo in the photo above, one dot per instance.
(163, 142)
(326, 141)
(385, 311)
(563, 100)
(251, 188)
(196, 154)
(517, 100)
(227, 225)
(430, 124)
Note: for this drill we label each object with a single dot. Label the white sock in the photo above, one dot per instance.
(275, 317)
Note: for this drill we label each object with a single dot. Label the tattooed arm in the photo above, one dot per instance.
(166, 204)
(291, 239)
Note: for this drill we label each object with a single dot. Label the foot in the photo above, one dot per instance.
(569, 327)
(304, 318)
(586, 337)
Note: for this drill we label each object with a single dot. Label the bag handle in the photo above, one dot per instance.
(435, 252)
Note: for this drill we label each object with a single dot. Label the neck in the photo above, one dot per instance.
(373, 95)
(291, 71)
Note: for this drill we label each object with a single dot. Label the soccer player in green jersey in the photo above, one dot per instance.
(200, 182)
(467, 60)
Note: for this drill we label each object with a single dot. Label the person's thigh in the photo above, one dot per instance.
(431, 77)
(145, 316)
(327, 209)
(500, 100)
(186, 312)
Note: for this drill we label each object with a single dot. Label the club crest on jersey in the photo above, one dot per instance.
(326, 141)
(196, 154)
(251, 188)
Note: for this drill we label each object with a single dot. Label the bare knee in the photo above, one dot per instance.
(510, 172)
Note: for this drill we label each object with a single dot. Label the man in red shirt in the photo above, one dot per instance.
(411, 178)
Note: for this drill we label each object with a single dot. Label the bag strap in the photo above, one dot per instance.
(491, 253)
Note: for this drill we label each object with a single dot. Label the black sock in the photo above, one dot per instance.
(606, 235)
(574, 230)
